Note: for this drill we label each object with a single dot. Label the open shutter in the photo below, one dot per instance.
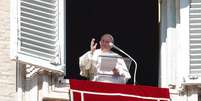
(38, 35)
(195, 36)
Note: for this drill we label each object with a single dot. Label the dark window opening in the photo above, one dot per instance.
(134, 25)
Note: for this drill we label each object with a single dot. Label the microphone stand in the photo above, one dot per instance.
(134, 77)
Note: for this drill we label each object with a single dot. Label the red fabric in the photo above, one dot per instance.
(137, 90)
(76, 96)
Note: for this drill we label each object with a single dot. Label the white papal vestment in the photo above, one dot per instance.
(90, 68)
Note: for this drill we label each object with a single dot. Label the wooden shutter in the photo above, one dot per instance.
(195, 36)
(38, 36)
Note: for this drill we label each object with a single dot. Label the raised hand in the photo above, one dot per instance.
(93, 45)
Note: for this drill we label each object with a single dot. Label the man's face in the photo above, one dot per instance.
(104, 43)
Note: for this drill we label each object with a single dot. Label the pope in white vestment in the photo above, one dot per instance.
(90, 63)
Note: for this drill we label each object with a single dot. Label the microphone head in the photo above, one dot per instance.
(111, 44)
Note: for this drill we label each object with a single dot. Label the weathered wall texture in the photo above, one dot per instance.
(7, 67)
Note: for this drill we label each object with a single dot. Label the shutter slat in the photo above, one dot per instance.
(37, 27)
(52, 12)
(197, 19)
(38, 48)
(41, 3)
(46, 40)
(195, 36)
(38, 17)
(195, 51)
(194, 14)
(37, 42)
(48, 1)
(33, 36)
(35, 54)
(195, 61)
(36, 12)
(195, 9)
(36, 32)
(195, 23)
(38, 7)
(40, 54)
(39, 23)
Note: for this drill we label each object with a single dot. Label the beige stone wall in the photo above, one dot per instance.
(7, 67)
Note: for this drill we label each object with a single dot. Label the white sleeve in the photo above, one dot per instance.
(123, 70)
(85, 63)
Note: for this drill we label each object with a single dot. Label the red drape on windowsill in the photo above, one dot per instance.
(97, 91)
